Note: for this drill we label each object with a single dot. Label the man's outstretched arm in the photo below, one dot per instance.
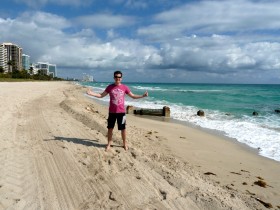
(97, 95)
(138, 96)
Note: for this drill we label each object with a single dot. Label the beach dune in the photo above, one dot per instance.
(52, 156)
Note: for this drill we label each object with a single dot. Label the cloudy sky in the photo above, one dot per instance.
(212, 41)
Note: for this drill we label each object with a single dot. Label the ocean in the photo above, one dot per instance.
(228, 109)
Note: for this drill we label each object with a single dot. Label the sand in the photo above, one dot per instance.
(52, 156)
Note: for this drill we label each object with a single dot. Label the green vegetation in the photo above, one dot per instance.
(15, 80)
(24, 75)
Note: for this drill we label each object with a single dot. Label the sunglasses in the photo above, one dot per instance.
(117, 77)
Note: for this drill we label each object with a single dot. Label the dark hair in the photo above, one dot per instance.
(117, 72)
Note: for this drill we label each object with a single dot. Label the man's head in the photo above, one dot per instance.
(118, 77)
(117, 72)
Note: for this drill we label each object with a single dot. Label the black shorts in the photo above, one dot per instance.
(121, 120)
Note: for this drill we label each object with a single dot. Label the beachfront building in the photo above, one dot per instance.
(25, 62)
(10, 57)
(46, 68)
(33, 69)
(3, 58)
(52, 70)
(87, 78)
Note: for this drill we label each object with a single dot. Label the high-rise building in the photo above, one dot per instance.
(3, 58)
(87, 78)
(46, 68)
(12, 57)
(25, 62)
(52, 70)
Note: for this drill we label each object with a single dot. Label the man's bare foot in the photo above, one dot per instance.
(125, 147)
(108, 147)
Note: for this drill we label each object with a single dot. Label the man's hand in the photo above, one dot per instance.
(145, 94)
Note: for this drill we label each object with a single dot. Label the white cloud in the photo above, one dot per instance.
(136, 4)
(45, 40)
(41, 3)
(111, 34)
(105, 21)
(210, 17)
(219, 54)
(178, 46)
(44, 20)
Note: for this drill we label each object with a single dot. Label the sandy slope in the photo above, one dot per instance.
(52, 157)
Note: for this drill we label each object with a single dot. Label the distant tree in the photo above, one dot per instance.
(41, 76)
(24, 74)
(58, 79)
(16, 74)
(12, 66)
(31, 70)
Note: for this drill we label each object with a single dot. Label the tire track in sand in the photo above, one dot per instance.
(62, 177)
(18, 186)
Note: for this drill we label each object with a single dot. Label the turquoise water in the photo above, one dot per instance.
(235, 99)
(228, 109)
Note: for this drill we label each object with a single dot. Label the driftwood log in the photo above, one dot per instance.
(165, 111)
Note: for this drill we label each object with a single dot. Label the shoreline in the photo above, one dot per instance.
(53, 156)
(238, 123)
(233, 164)
(217, 133)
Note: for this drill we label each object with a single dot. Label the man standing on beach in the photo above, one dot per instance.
(117, 111)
